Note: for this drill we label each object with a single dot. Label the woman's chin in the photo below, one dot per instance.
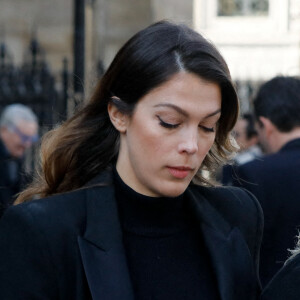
(174, 191)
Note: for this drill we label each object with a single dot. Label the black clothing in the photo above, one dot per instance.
(70, 246)
(275, 180)
(227, 172)
(286, 283)
(165, 250)
(10, 178)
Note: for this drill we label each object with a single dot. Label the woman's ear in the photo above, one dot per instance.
(118, 119)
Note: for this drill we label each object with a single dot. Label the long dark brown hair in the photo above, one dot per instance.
(88, 143)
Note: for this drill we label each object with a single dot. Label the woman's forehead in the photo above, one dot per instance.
(184, 92)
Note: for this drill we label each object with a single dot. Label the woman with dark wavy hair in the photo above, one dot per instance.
(126, 212)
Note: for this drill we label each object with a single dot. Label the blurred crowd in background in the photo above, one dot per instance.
(51, 53)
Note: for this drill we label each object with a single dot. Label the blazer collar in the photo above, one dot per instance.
(230, 256)
(101, 247)
(103, 227)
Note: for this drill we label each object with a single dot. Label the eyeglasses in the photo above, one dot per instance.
(24, 137)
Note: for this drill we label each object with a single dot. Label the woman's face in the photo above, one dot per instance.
(164, 142)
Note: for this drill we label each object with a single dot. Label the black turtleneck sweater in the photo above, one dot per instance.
(166, 254)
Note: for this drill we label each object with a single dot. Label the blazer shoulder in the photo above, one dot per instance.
(235, 197)
(52, 204)
(63, 209)
(237, 205)
(57, 213)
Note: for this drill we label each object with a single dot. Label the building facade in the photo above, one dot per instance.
(258, 38)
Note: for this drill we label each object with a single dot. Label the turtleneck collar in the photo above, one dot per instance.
(149, 216)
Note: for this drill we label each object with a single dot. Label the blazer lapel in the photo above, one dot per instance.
(229, 253)
(101, 248)
(104, 258)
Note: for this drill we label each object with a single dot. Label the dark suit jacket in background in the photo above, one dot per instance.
(275, 181)
(286, 283)
(10, 178)
(70, 246)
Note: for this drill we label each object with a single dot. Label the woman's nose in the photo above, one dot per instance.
(189, 144)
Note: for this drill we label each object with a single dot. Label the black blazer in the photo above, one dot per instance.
(286, 283)
(69, 246)
(275, 181)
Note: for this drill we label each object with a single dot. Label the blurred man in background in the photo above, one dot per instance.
(18, 131)
(275, 178)
(246, 136)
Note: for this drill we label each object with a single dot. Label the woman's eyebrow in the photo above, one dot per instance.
(213, 113)
(183, 112)
(175, 107)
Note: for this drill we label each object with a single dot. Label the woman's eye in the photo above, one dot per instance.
(207, 129)
(167, 125)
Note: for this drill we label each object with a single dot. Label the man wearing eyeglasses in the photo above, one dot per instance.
(18, 131)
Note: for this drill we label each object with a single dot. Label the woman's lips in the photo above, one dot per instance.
(179, 172)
